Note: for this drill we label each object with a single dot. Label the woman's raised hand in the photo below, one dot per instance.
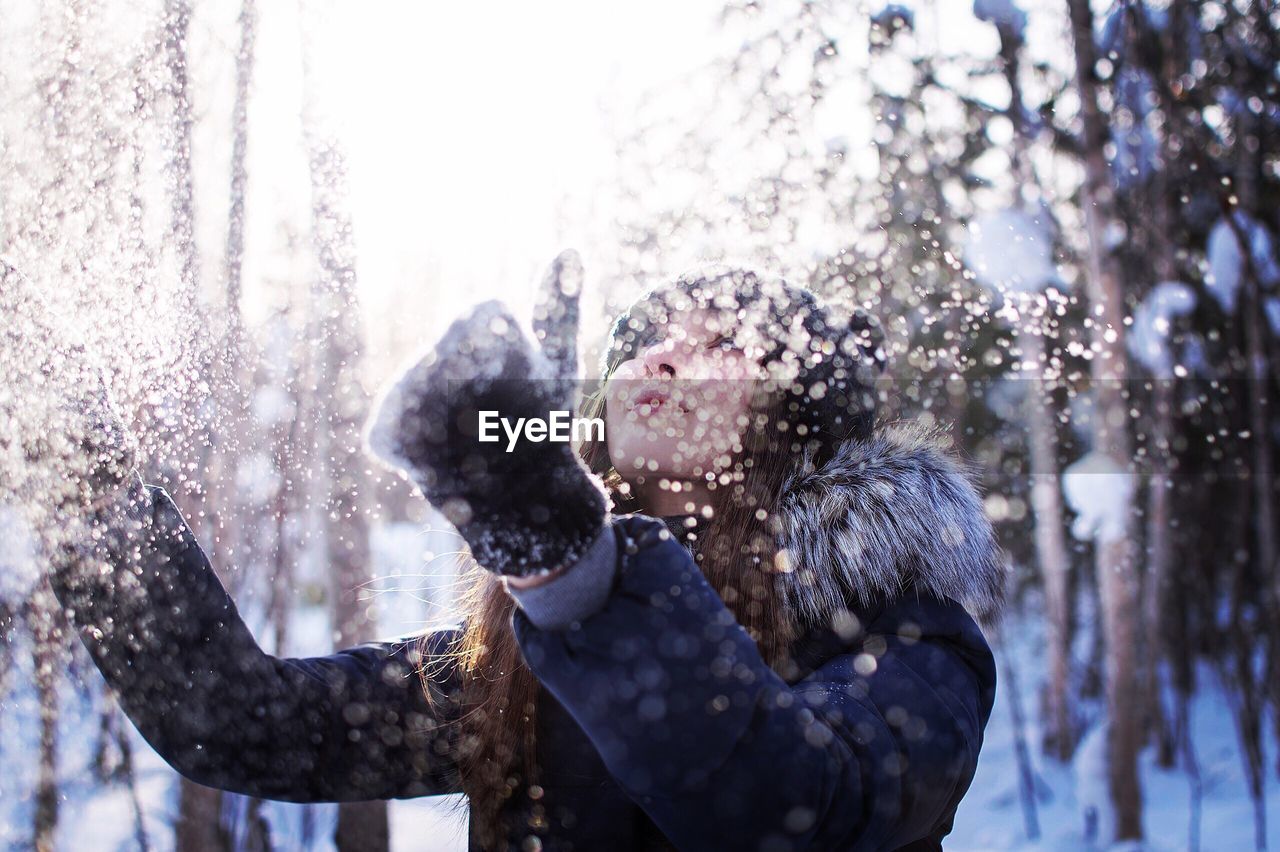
(107, 448)
(524, 510)
(64, 447)
(66, 458)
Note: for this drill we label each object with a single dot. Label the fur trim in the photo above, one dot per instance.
(894, 514)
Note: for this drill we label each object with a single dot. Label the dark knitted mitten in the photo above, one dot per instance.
(523, 512)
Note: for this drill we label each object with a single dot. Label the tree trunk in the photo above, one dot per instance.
(1155, 593)
(1117, 581)
(60, 128)
(1058, 739)
(1157, 580)
(362, 826)
(8, 629)
(1260, 422)
(229, 374)
(46, 651)
(1027, 781)
(198, 828)
(239, 153)
(135, 800)
(1051, 553)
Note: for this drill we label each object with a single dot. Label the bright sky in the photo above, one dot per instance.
(467, 126)
(471, 128)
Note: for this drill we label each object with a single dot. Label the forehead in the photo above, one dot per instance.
(701, 322)
(694, 309)
(671, 312)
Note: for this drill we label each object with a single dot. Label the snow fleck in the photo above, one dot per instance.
(1005, 14)
(273, 405)
(893, 16)
(19, 569)
(1099, 491)
(1273, 314)
(1006, 397)
(257, 477)
(1011, 250)
(1149, 338)
(1226, 260)
(1137, 151)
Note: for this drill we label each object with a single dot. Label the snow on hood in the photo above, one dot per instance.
(896, 514)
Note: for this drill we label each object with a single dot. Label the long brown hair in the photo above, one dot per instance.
(737, 553)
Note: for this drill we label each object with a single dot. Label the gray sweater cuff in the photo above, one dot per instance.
(577, 593)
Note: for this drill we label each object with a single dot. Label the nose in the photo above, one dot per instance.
(660, 358)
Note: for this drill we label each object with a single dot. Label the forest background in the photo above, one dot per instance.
(1063, 213)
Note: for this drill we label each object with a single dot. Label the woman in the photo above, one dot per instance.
(782, 661)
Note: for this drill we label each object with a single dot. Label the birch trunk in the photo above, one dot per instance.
(1051, 552)
(1117, 580)
(362, 826)
(1058, 739)
(1260, 415)
(198, 827)
(46, 651)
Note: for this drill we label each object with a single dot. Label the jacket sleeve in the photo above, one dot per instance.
(871, 751)
(354, 725)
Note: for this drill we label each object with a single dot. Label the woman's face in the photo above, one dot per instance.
(679, 408)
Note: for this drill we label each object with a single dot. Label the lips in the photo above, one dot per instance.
(652, 397)
(656, 399)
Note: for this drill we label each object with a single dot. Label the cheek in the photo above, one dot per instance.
(738, 367)
(615, 419)
(626, 434)
(621, 383)
(744, 377)
(725, 396)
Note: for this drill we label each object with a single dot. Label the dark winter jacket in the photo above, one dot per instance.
(660, 726)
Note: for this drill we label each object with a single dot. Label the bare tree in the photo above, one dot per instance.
(1116, 573)
(361, 825)
(1250, 76)
(60, 89)
(233, 384)
(198, 828)
(1046, 495)
(48, 651)
(1159, 533)
(229, 375)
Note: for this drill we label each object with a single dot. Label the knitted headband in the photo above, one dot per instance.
(831, 363)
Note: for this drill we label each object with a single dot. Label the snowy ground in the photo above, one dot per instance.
(991, 816)
(97, 818)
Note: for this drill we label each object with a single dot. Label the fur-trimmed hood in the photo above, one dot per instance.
(896, 514)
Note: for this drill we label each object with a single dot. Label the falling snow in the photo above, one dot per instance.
(254, 254)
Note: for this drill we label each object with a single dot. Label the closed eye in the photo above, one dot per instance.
(724, 342)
